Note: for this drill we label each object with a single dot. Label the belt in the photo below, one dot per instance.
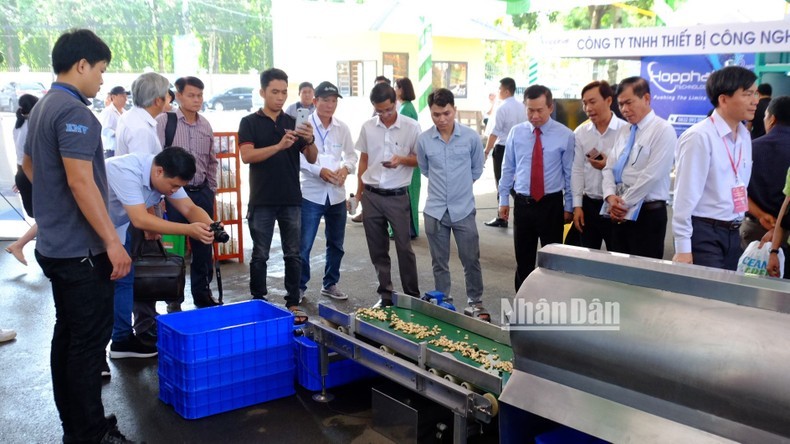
(193, 188)
(728, 224)
(383, 192)
(595, 199)
(654, 205)
(531, 200)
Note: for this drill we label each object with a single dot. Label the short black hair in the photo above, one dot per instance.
(406, 89)
(780, 109)
(765, 89)
(441, 98)
(639, 86)
(176, 162)
(603, 87)
(535, 91)
(172, 96)
(75, 45)
(182, 83)
(383, 79)
(381, 93)
(26, 103)
(509, 84)
(728, 80)
(304, 85)
(272, 74)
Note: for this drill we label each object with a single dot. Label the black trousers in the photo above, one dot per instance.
(498, 154)
(532, 220)
(25, 190)
(597, 229)
(643, 237)
(202, 267)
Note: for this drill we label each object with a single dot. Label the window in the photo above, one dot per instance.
(396, 65)
(450, 75)
(356, 77)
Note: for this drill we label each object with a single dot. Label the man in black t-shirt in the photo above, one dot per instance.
(757, 127)
(269, 143)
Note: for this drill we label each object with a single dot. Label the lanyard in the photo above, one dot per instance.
(733, 164)
(322, 136)
(68, 91)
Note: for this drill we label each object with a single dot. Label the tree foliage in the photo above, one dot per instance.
(235, 37)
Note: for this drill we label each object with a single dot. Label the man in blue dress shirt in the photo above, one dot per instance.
(450, 155)
(537, 166)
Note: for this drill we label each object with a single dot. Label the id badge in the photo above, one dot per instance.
(739, 200)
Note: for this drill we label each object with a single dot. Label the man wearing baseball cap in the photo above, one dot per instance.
(109, 118)
(323, 189)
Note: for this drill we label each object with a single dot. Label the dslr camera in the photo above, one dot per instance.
(220, 235)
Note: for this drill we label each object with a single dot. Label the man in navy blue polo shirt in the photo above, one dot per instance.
(78, 247)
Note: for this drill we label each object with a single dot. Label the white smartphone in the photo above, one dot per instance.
(301, 116)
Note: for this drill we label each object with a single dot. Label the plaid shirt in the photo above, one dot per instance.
(198, 139)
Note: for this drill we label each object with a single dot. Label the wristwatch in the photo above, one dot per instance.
(774, 251)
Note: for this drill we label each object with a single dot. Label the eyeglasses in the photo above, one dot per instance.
(386, 112)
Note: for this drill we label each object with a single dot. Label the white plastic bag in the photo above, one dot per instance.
(754, 260)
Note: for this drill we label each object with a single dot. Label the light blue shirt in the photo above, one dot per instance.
(129, 180)
(558, 144)
(451, 168)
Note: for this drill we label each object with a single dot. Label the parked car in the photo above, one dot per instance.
(234, 98)
(12, 91)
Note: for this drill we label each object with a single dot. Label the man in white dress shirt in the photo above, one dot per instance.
(136, 132)
(510, 113)
(323, 189)
(109, 118)
(636, 175)
(388, 147)
(594, 141)
(714, 165)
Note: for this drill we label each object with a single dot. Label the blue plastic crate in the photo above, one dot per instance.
(308, 367)
(201, 403)
(228, 330)
(566, 435)
(227, 370)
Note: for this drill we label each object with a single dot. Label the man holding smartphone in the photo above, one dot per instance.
(594, 140)
(387, 144)
(270, 143)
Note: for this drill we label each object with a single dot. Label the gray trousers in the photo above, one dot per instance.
(379, 210)
(468, 243)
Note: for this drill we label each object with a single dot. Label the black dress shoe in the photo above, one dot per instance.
(205, 301)
(497, 222)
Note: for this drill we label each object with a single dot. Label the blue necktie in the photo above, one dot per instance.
(623, 159)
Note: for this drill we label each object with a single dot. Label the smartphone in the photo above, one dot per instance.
(594, 154)
(301, 116)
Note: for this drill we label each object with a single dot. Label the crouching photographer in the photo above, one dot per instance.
(136, 182)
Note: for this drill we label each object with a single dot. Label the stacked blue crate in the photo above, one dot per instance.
(340, 372)
(218, 359)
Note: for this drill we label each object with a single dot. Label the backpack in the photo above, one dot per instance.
(170, 128)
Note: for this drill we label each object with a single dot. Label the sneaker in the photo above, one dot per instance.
(132, 347)
(357, 218)
(105, 373)
(334, 293)
(114, 436)
(6, 335)
(301, 295)
(173, 307)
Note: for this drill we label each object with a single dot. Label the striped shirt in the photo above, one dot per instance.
(198, 139)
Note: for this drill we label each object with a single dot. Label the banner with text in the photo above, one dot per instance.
(677, 84)
(640, 42)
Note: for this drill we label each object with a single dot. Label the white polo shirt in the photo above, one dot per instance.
(136, 133)
(585, 179)
(109, 122)
(335, 150)
(509, 114)
(704, 175)
(381, 143)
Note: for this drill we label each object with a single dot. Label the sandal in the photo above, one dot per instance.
(300, 317)
(479, 312)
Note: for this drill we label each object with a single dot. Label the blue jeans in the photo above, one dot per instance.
(124, 298)
(83, 294)
(335, 233)
(261, 221)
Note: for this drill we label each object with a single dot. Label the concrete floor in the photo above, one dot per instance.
(28, 413)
